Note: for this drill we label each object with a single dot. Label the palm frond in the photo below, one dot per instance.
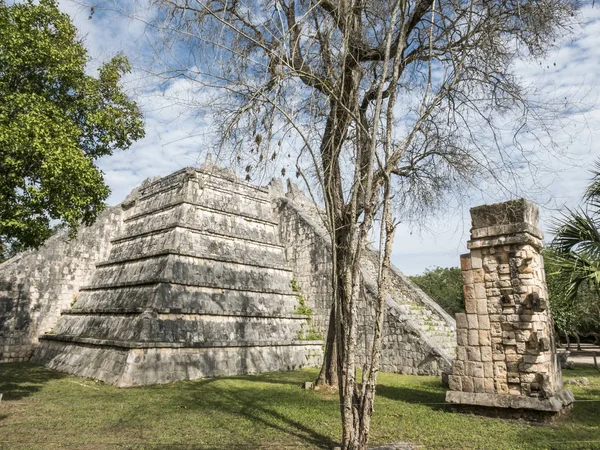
(592, 193)
(577, 232)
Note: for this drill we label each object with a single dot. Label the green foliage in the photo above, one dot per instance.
(445, 286)
(294, 285)
(308, 331)
(309, 335)
(572, 314)
(302, 307)
(55, 122)
(573, 265)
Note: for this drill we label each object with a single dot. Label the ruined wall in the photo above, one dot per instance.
(406, 347)
(36, 285)
(506, 354)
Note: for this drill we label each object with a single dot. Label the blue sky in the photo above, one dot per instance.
(174, 139)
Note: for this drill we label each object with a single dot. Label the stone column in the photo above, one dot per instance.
(506, 357)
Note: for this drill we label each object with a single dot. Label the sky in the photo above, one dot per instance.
(175, 139)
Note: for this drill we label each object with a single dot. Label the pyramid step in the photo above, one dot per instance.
(167, 296)
(220, 178)
(127, 366)
(199, 244)
(211, 199)
(196, 217)
(188, 329)
(193, 271)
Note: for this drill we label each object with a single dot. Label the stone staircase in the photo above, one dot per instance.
(419, 329)
(419, 308)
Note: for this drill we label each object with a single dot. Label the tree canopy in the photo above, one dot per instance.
(55, 122)
(445, 286)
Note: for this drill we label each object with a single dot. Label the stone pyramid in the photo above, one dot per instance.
(196, 286)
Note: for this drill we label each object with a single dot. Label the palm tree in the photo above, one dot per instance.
(576, 242)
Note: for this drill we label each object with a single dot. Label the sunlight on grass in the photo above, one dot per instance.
(45, 409)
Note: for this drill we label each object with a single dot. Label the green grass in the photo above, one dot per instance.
(45, 409)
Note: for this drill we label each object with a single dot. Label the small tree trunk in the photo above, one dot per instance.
(578, 341)
(329, 370)
(568, 340)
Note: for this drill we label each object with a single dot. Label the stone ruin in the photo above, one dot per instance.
(506, 359)
(199, 274)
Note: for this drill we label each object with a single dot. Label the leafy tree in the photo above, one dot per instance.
(445, 286)
(55, 122)
(385, 99)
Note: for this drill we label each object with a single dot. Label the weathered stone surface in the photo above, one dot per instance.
(36, 285)
(512, 334)
(419, 337)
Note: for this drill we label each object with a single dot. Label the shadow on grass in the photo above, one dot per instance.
(262, 407)
(432, 399)
(295, 378)
(19, 380)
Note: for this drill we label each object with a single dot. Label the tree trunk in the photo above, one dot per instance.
(329, 370)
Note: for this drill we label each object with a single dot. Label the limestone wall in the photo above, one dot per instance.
(36, 285)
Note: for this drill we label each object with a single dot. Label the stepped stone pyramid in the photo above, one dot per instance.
(195, 286)
(200, 274)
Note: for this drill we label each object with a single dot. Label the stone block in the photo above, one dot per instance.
(486, 354)
(467, 277)
(465, 262)
(513, 377)
(478, 276)
(489, 386)
(484, 338)
(482, 306)
(461, 320)
(455, 383)
(496, 329)
(483, 321)
(488, 370)
(474, 369)
(476, 262)
(462, 337)
(458, 368)
(501, 387)
(499, 369)
(467, 384)
(473, 337)
(478, 385)
(474, 353)
(479, 291)
(472, 322)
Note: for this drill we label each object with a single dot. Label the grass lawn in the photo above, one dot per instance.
(46, 409)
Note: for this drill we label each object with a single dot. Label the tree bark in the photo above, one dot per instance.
(329, 370)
